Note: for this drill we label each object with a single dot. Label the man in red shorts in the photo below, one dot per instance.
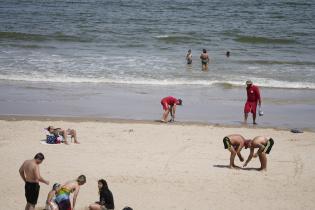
(169, 105)
(253, 97)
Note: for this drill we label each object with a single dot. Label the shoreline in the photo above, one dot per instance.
(286, 109)
(75, 119)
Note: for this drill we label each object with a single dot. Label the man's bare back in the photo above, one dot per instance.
(30, 169)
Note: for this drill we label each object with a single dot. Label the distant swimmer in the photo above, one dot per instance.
(189, 57)
(228, 54)
(264, 146)
(29, 172)
(253, 97)
(204, 60)
(169, 106)
(234, 143)
(63, 194)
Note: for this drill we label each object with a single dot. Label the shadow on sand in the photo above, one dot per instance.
(245, 169)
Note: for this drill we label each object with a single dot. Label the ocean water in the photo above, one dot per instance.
(144, 42)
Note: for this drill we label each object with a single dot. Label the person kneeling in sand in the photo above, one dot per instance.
(106, 201)
(169, 106)
(234, 143)
(63, 195)
(64, 133)
(50, 202)
(264, 146)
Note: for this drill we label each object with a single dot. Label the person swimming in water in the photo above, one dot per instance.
(189, 57)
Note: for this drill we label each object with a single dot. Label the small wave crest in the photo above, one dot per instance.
(177, 39)
(40, 37)
(263, 40)
(262, 82)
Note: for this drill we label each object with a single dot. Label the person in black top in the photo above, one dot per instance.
(106, 198)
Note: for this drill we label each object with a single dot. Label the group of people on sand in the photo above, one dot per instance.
(54, 134)
(59, 197)
(235, 143)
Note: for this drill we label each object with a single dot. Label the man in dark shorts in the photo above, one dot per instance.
(234, 143)
(253, 97)
(169, 105)
(264, 145)
(29, 172)
(204, 59)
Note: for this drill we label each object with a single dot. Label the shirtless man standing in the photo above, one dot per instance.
(63, 195)
(29, 172)
(264, 146)
(234, 143)
(204, 59)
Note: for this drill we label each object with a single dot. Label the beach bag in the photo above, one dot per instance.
(51, 139)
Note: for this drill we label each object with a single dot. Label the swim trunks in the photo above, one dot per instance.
(204, 62)
(227, 142)
(31, 192)
(64, 205)
(269, 146)
(250, 107)
(63, 199)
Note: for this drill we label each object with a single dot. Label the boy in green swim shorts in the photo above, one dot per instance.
(264, 145)
(234, 143)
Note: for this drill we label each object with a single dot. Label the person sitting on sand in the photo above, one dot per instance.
(50, 202)
(234, 143)
(63, 195)
(106, 201)
(169, 105)
(264, 146)
(64, 133)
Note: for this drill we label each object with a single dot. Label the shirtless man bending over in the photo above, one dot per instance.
(234, 143)
(29, 172)
(264, 146)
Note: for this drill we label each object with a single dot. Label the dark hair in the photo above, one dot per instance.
(81, 179)
(104, 183)
(204, 51)
(39, 156)
(127, 208)
(180, 101)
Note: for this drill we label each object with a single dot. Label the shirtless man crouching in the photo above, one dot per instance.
(234, 143)
(29, 172)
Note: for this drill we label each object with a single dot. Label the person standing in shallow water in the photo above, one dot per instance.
(29, 172)
(189, 57)
(204, 59)
(253, 97)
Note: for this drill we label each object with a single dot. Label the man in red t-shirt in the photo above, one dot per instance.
(253, 96)
(169, 105)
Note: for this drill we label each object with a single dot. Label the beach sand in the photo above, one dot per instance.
(160, 166)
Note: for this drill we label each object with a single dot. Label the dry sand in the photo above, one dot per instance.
(152, 166)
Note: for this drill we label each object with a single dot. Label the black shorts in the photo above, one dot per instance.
(31, 192)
